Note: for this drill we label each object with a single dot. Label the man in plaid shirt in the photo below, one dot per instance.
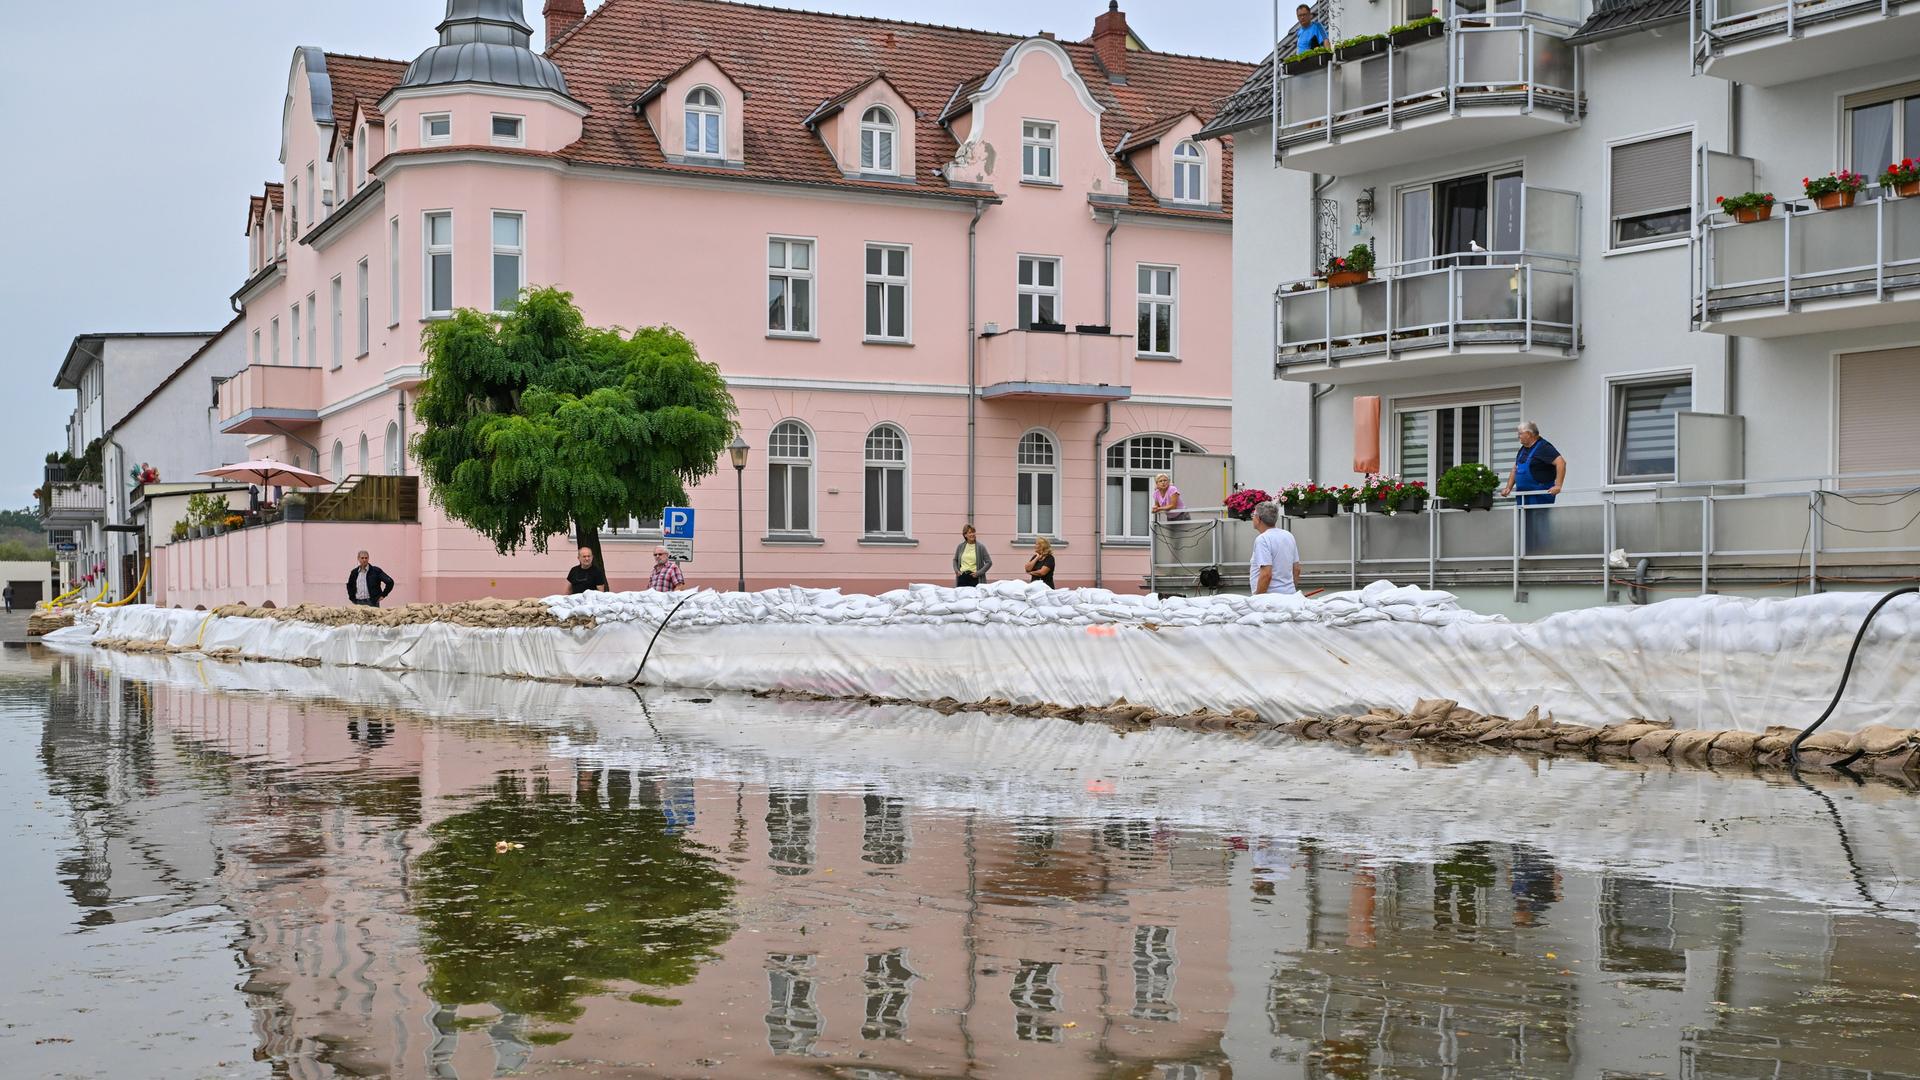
(666, 573)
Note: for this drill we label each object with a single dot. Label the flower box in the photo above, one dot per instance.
(1834, 200)
(1325, 509)
(1301, 63)
(1908, 190)
(1751, 214)
(1413, 34)
(1361, 49)
(1410, 504)
(1478, 502)
(1340, 279)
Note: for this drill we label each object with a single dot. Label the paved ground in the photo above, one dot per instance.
(13, 627)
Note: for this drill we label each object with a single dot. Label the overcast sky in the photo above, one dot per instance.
(135, 131)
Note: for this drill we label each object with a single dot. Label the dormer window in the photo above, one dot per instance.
(1189, 173)
(878, 137)
(509, 130)
(1039, 152)
(436, 129)
(703, 123)
(362, 153)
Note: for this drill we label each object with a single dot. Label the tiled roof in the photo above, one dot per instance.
(1146, 136)
(357, 79)
(276, 195)
(839, 101)
(1251, 104)
(1611, 18)
(256, 206)
(625, 45)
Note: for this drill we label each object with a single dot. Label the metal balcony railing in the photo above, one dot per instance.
(70, 503)
(1732, 533)
(1869, 249)
(1713, 22)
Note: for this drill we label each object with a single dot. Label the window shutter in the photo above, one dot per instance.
(1651, 175)
(1879, 398)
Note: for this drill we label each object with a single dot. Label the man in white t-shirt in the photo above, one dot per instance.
(1275, 566)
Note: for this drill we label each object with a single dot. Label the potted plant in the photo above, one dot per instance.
(1306, 500)
(1349, 498)
(235, 521)
(1747, 207)
(1903, 177)
(1240, 504)
(1352, 269)
(1391, 495)
(179, 531)
(1408, 33)
(1309, 60)
(293, 506)
(1469, 486)
(1359, 47)
(1834, 191)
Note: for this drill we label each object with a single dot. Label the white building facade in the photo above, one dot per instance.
(1537, 184)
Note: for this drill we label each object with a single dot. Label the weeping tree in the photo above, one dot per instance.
(534, 423)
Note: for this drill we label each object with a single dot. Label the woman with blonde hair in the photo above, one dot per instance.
(1040, 567)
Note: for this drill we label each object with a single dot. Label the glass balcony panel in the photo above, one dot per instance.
(1303, 317)
(1420, 68)
(1491, 57)
(1477, 535)
(1353, 88)
(1552, 64)
(1553, 222)
(1568, 530)
(1398, 537)
(1360, 310)
(1655, 527)
(1489, 293)
(1832, 241)
(1565, 10)
(1866, 526)
(1321, 539)
(1903, 232)
(1771, 524)
(1420, 301)
(1746, 253)
(1552, 297)
(1304, 97)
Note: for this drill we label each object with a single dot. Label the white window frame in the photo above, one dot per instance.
(1127, 473)
(1045, 149)
(393, 271)
(392, 454)
(810, 462)
(888, 283)
(873, 135)
(519, 136)
(293, 208)
(364, 462)
(427, 252)
(427, 137)
(519, 253)
(312, 218)
(718, 110)
(256, 347)
(336, 330)
(338, 461)
(1905, 143)
(294, 316)
(1034, 471)
(1614, 247)
(1498, 440)
(1035, 290)
(1170, 300)
(313, 331)
(1617, 386)
(1190, 171)
(810, 275)
(362, 155)
(363, 309)
(869, 464)
(393, 136)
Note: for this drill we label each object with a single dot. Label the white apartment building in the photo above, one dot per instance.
(1537, 180)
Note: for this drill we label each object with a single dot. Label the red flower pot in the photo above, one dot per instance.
(1908, 190)
(1748, 215)
(1834, 200)
(1343, 278)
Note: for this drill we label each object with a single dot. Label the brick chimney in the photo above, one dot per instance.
(1110, 41)
(561, 17)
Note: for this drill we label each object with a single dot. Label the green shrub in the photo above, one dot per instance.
(1464, 483)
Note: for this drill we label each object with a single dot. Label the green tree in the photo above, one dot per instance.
(534, 422)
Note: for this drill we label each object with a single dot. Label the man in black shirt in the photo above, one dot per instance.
(586, 577)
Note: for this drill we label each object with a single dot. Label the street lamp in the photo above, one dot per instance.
(738, 450)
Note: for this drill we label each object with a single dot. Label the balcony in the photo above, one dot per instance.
(1053, 364)
(267, 399)
(1489, 79)
(70, 504)
(1810, 272)
(1767, 43)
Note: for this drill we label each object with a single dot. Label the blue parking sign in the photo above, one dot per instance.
(676, 523)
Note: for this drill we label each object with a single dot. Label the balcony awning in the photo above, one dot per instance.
(268, 421)
(1056, 391)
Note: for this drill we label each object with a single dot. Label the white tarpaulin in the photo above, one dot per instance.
(1704, 662)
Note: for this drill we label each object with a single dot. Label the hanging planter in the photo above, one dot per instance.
(1302, 62)
(1359, 48)
(1418, 30)
(1352, 269)
(1341, 279)
(1903, 178)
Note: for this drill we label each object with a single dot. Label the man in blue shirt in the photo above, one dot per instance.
(1538, 473)
(1309, 34)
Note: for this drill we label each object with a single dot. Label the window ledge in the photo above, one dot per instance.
(1656, 245)
(889, 541)
(1159, 358)
(1054, 184)
(435, 318)
(1117, 542)
(776, 335)
(1027, 542)
(893, 342)
(361, 355)
(792, 539)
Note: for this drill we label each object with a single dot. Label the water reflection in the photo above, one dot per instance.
(695, 896)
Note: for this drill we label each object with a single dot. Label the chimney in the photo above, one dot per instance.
(1110, 41)
(562, 16)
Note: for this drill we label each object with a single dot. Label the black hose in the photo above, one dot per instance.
(1793, 748)
(656, 637)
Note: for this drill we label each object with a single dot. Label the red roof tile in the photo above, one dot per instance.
(789, 61)
(360, 78)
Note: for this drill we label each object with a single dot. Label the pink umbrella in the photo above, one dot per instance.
(269, 474)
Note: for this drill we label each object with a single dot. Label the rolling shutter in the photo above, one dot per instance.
(1879, 396)
(1652, 175)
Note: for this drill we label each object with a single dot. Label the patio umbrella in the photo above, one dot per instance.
(269, 474)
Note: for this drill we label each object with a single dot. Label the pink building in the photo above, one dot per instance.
(950, 276)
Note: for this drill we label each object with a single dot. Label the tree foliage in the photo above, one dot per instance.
(534, 422)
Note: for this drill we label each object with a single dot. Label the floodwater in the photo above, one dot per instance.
(261, 870)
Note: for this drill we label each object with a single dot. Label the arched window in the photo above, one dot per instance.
(390, 460)
(1037, 485)
(790, 479)
(1189, 173)
(339, 461)
(703, 123)
(877, 137)
(363, 454)
(1131, 466)
(886, 460)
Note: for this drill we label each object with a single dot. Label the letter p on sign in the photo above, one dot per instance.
(676, 523)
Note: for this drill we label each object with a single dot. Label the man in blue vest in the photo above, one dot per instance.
(1539, 470)
(1310, 34)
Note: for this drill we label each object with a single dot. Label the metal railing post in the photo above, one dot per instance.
(1453, 306)
(1453, 72)
(1880, 247)
(1706, 541)
(1526, 308)
(1353, 551)
(1813, 541)
(1153, 556)
(1326, 296)
(1433, 547)
(1606, 546)
(1526, 42)
(1786, 264)
(1519, 508)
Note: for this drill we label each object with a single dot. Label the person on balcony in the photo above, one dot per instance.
(1310, 33)
(666, 576)
(586, 577)
(1167, 503)
(1275, 566)
(1538, 473)
(367, 584)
